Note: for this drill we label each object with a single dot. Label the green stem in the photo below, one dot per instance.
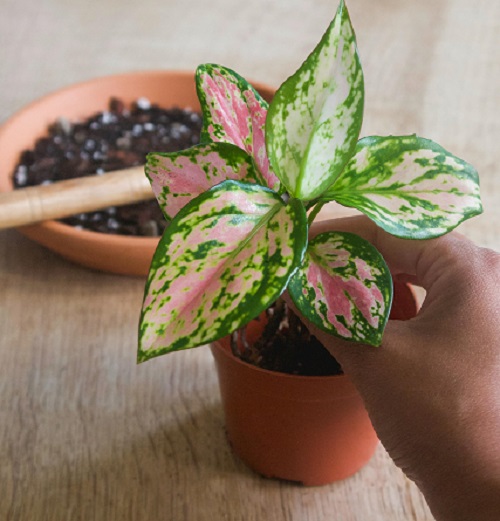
(315, 211)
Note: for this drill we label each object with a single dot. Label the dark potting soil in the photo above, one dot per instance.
(115, 139)
(285, 346)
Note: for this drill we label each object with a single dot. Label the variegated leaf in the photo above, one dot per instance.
(234, 112)
(344, 287)
(315, 117)
(178, 177)
(225, 258)
(410, 186)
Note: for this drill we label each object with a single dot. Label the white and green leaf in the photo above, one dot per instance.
(177, 178)
(224, 259)
(344, 287)
(315, 118)
(410, 186)
(234, 112)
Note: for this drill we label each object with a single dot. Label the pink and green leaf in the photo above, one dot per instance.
(177, 178)
(315, 118)
(234, 112)
(226, 256)
(344, 287)
(410, 186)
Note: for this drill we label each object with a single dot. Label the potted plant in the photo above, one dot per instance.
(241, 205)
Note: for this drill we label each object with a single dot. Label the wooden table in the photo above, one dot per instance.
(84, 432)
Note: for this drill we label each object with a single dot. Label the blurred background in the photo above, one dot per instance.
(431, 66)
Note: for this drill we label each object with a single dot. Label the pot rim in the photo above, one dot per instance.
(221, 349)
(282, 386)
(218, 344)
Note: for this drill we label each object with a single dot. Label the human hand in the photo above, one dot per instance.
(433, 387)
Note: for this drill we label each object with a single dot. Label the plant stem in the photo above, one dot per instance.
(234, 343)
(315, 211)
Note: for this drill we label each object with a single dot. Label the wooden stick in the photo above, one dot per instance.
(64, 198)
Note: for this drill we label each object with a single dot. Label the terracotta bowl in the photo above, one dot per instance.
(112, 253)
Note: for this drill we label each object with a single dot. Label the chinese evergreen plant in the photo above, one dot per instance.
(238, 205)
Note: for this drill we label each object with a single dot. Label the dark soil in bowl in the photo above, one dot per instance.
(115, 139)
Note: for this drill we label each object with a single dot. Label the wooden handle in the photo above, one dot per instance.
(64, 198)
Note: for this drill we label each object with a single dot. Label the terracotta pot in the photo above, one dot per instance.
(112, 253)
(310, 429)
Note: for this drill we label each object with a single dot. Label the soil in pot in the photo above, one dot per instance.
(115, 139)
(287, 346)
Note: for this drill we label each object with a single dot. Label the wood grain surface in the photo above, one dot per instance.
(85, 433)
